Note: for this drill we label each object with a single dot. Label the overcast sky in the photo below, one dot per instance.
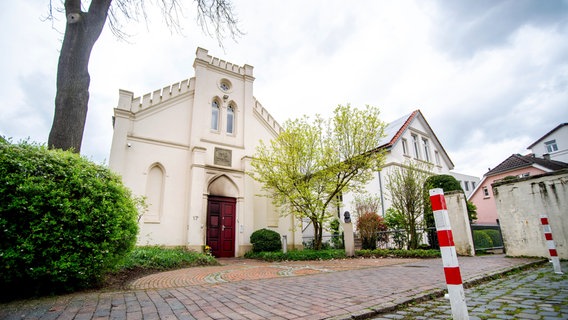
(491, 77)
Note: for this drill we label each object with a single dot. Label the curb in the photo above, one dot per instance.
(388, 307)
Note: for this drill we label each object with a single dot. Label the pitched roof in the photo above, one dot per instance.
(517, 161)
(546, 135)
(396, 128)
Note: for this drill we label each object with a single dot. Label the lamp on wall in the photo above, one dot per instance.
(225, 97)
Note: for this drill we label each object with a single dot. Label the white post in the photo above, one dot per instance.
(449, 255)
(284, 243)
(550, 244)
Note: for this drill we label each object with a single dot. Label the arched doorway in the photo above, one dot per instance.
(221, 217)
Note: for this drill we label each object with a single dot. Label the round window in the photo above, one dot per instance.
(225, 85)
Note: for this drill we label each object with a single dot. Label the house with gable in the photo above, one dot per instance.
(517, 166)
(409, 138)
(186, 148)
(553, 145)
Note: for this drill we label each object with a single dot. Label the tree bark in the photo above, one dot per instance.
(72, 96)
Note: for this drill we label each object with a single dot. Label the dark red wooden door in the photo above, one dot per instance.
(221, 226)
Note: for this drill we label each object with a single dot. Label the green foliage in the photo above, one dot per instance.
(265, 240)
(311, 162)
(336, 236)
(297, 255)
(406, 185)
(390, 253)
(64, 221)
(368, 226)
(482, 240)
(158, 258)
(395, 221)
(495, 236)
(471, 211)
(444, 181)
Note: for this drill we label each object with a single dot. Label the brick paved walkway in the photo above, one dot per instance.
(353, 288)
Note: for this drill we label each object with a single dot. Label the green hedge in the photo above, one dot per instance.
(482, 240)
(265, 240)
(64, 221)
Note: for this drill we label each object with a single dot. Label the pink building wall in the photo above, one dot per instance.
(486, 207)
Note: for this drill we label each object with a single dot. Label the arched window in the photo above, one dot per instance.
(215, 116)
(230, 119)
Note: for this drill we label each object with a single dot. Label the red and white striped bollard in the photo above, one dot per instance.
(449, 255)
(550, 244)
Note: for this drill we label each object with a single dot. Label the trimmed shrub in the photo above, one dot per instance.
(481, 239)
(495, 236)
(265, 240)
(368, 226)
(64, 221)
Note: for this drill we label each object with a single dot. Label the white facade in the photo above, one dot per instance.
(467, 182)
(409, 138)
(187, 148)
(553, 144)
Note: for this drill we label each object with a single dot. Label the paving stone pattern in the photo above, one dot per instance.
(341, 290)
(530, 294)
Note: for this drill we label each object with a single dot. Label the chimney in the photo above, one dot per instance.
(546, 156)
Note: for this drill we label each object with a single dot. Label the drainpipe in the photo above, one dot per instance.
(381, 191)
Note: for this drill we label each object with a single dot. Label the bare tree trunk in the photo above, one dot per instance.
(72, 97)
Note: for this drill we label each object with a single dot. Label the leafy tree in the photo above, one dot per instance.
(366, 203)
(310, 163)
(405, 185)
(82, 30)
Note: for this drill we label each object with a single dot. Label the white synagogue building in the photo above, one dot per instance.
(187, 148)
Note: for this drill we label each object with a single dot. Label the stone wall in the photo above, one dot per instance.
(459, 220)
(521, 202)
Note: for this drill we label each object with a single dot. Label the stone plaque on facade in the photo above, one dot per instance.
(222, 157)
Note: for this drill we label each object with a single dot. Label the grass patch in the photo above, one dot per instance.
(159, 258)
(147, 260)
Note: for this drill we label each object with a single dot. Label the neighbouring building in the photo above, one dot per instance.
(553, 145)
(186, 148)
(467, 182)
(516, 166)
(409, 138)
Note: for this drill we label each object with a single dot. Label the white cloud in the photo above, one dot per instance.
(489, 77)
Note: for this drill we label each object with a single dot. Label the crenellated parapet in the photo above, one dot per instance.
(203, 55)
(263, 114)
(127, 101)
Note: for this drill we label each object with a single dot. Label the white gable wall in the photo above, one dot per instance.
(395, 157)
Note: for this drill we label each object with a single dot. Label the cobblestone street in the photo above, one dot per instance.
(530, 294)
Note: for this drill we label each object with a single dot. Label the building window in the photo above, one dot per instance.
(426, 149)
(405, 147)
(551, 146)
(416, 147)
(230, 119)
(473, 185)
(215, 116)
(466, 183)
(437, 157)
(485, 192)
